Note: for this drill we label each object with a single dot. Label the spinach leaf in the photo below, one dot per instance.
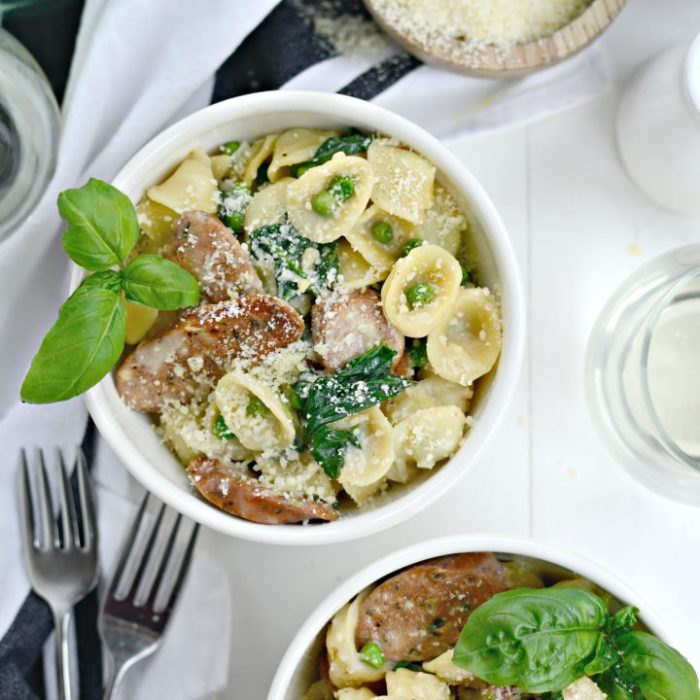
(537, 639)
(102, 225)
(351, 144)
(235, 198)
(329, 447)
(80, 348)
(364, 382)
(656, 670)
(108, 279)
(286, 247)
(159, 283)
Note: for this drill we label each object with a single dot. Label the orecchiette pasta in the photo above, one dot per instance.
(446, 670)
(404, 181)
(429, 435)
(295, 146)
(261, 150)
(428, 265)
(444, 223)
(380, 255)
(430, 392)
(298, 475)
(354, 694)
(190, 432)
(323, 229)
(415, 685)
(354, 272)
(268, 205)
(347, 669)
(221, 165)
(466, 343)
(254, 412)
(370, 462)
(191, 186)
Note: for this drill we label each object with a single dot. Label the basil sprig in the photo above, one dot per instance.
(364, 382)
(542, 640)
(88, 337)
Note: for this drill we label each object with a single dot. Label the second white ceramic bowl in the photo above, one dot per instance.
(131, 435)
(298, 665)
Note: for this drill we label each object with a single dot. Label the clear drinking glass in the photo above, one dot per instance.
(643, 374)
(29, 128)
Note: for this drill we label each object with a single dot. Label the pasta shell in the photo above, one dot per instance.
(299, 194)
(428, 264)
(467, 342)
(295, 146)
(268, 205)
(261, 150)
(191, 186)
(258, 431)
(444, 223)
(354, 272)
(403, 181)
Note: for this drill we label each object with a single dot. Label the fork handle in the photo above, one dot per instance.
(62, 622)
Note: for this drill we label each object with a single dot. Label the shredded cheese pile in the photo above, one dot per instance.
(477, 24)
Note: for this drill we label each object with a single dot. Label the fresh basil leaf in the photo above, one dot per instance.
(536, 639)
(605, 657)
(159, 283)
(79, 349)
(329, 447)
(657, 671)
(364, 382)
(623, 620)
(102, 225)
(350, 144)
(108, 279)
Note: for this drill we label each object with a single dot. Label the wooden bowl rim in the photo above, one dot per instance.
(521, 59)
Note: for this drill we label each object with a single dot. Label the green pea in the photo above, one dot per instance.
(235, 221)
(324, 204)
(372, 654)
(382, 232)
(256, 407)
(466, 275)
(221, 430)
(230, 147)
(410, 245)
(342, 188)
(420, 294)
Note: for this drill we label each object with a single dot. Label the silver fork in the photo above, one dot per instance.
(62, 566)
(132, 625)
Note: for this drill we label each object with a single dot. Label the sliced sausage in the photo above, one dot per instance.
(348, 326)
(203, 246)
(418, 614)
(188, 356)
(247, 498)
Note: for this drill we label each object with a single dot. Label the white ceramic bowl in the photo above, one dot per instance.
(131, 434)
(298, 664)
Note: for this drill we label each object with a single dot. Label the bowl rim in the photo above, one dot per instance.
(453, 544)
(346, 109)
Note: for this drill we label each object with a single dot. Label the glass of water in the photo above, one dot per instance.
(643, 374)
(29, 128)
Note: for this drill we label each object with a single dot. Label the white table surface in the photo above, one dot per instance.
(579, 227)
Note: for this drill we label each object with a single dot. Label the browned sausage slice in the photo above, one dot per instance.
(418, 614)
(196, 350)
(247, 498)
(345, 327)
(208, 250)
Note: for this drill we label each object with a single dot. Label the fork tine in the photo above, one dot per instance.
(26, 504)
(184, 566)
(164, 561)
(146, 554)
(87, 503)
(69, 524)
(126, 549)
(46, 517)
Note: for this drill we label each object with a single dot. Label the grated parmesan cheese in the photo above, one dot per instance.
(476, 24)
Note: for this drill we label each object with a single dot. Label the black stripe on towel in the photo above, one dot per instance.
(381, 77)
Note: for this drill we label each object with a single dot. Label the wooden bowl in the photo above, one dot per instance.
(492, 62)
